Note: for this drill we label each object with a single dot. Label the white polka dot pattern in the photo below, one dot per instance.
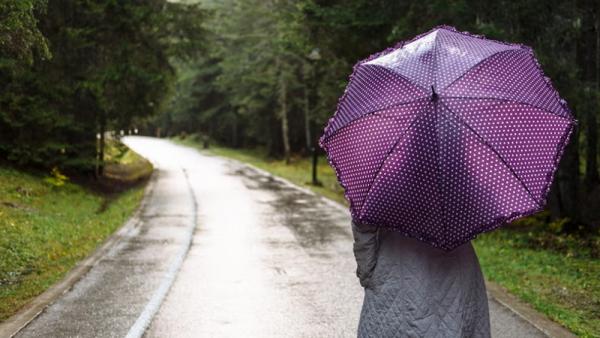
(457, 53)
(512, 75)
(524, 137)
(409, 181)
(370, 139)
(414, 61)
(373, 88)
(447, 136)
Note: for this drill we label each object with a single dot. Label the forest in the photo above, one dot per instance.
(254, 73)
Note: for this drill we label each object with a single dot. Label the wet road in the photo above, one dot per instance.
(265, 259)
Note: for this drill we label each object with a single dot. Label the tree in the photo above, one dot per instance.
(259, 69)
(20, 38)
(111, 66)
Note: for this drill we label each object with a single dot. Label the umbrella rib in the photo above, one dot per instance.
(435, 61)
(498, 99)
(373, 112)
(391, 70)
(483, 141)
(436, 114)
(476, 65)
(441, 196)
(400, 138)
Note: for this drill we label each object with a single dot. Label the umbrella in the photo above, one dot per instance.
(446, 136)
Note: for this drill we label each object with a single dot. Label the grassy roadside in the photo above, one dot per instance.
(124, 166)
(557, 275)
(298, 172)
(46, 228)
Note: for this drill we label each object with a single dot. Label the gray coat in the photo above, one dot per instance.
(415, 290)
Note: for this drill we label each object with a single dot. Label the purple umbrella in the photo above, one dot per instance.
(447, 136)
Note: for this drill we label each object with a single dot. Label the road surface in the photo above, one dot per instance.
(265, 259)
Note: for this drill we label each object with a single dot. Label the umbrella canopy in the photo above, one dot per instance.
(447, 136)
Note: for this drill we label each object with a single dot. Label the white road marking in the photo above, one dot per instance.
(145, 318)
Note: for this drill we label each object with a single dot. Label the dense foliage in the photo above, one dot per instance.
(270, 73)
(72, 70)
(261, 85)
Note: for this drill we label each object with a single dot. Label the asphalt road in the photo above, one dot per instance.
(265, 259)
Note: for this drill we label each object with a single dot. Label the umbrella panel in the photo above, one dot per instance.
(526, 138)
(454, 186)
(457, 54)
(414, 61)
(372, 88)
(412, 169)
(514, 76)
(358, 150)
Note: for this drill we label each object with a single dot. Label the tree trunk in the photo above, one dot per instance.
(591, 169)
(307, 110)
(234, 132)
(568, 180)
(283, 116)
(100, 171)
(554, 203)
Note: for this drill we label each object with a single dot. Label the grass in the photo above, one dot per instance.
(559, 275)
(46, 228)
(123, 165)
(560, 284)
(298, 172)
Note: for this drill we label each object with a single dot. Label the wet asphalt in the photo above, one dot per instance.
(266, 260)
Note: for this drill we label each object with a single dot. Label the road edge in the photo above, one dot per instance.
(15, 323)
(526, 311)
(146, 317)
(497, 292)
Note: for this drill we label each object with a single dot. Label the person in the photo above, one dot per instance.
(415, 290)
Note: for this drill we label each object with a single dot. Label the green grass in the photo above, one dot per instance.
(46, 229)
(123, 165)
(557, 274)
(562, 285)
(299, 171)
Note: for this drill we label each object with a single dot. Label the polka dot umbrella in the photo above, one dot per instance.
(447, 136)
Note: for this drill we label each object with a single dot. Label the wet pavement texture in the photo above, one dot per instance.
(267, 260)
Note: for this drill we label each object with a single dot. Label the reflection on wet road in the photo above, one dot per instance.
(267, 260)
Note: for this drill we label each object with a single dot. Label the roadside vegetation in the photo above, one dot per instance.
(298, 172)
(48, 223)
(261, 75)
(71, 70)
(556, 273)
(273, 72)
(123, 166)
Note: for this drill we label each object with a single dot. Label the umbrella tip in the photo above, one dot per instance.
(434, 95)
